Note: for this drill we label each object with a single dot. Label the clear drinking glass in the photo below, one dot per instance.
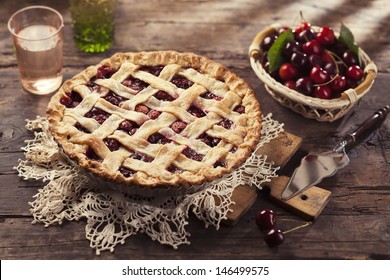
(93, 23)
(37, 33)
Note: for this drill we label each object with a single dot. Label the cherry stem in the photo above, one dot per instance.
(302, 18)
(328, 82)
(332, 55)
(335, 55)
(298, 227)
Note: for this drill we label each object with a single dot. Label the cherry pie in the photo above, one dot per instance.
(156, 119)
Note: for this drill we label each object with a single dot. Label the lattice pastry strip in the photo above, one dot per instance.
(156, 118)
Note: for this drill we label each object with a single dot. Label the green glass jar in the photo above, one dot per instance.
(93, 23)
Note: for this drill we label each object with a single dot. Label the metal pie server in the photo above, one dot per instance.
(314, 167)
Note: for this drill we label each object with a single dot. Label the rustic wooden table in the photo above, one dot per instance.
(355, 223)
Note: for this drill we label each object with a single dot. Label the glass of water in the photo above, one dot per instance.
(37, 33)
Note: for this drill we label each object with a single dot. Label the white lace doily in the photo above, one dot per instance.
(112, 215)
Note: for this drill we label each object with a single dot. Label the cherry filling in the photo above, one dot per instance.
(163, 96)
(240, 109)
(211, 141)
(209, 95)
(157, 138)
(71, 99)
(181, 82)
(142, 156)
(92, 86)
(99, 115)
(225, 123)
(126, 172)
(174, 169)
(112, 144)
(128, 126)
(154, 70)
(81, 128)
(114, 98)
(220, 163)
(191, 154)
(195, 111)
(105, 72)
(153, 114)
(135, 84)
(178, 126)
(90, 154)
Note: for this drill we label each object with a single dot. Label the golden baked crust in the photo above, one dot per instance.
(219, 119)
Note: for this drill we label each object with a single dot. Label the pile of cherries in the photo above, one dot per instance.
(315, 63)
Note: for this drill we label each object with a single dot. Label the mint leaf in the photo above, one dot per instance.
(274, 55)
(346, 37)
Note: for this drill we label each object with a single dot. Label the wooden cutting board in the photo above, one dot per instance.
(307, 205)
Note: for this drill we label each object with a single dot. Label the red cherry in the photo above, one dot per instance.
(304, 85)
(305, 25)
(288, 72)
(350, 58)
(268, 42)
(299, 59)
(305, 35)
(282, 29)
(323, 92)
(274, 237)
(265, 219)
(290, 84)
(319, 75)
(327, 56)
(312, 47)
(354, 73)
(325, 36)
(338, 84)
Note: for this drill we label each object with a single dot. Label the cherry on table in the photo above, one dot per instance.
(274, 237)
(265, 219)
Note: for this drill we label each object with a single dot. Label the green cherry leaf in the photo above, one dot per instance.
(274, 55)
(346, 37)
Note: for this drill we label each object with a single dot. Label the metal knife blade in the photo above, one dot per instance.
(315, 167)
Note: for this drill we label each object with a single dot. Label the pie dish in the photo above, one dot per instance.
(154, 119)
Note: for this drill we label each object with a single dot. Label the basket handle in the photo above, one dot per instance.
(353, 94)
(254, 48)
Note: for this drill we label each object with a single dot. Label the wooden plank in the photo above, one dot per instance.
(308, 205)
(279, 150)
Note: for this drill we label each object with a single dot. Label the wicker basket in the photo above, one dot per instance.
(310, 107)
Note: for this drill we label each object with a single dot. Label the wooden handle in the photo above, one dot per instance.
(367, 127)
(254, 48)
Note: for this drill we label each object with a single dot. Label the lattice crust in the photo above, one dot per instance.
(156, 118)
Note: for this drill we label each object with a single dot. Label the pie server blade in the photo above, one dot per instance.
(316, 166)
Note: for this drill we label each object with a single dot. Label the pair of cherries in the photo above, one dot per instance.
(265, 220)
